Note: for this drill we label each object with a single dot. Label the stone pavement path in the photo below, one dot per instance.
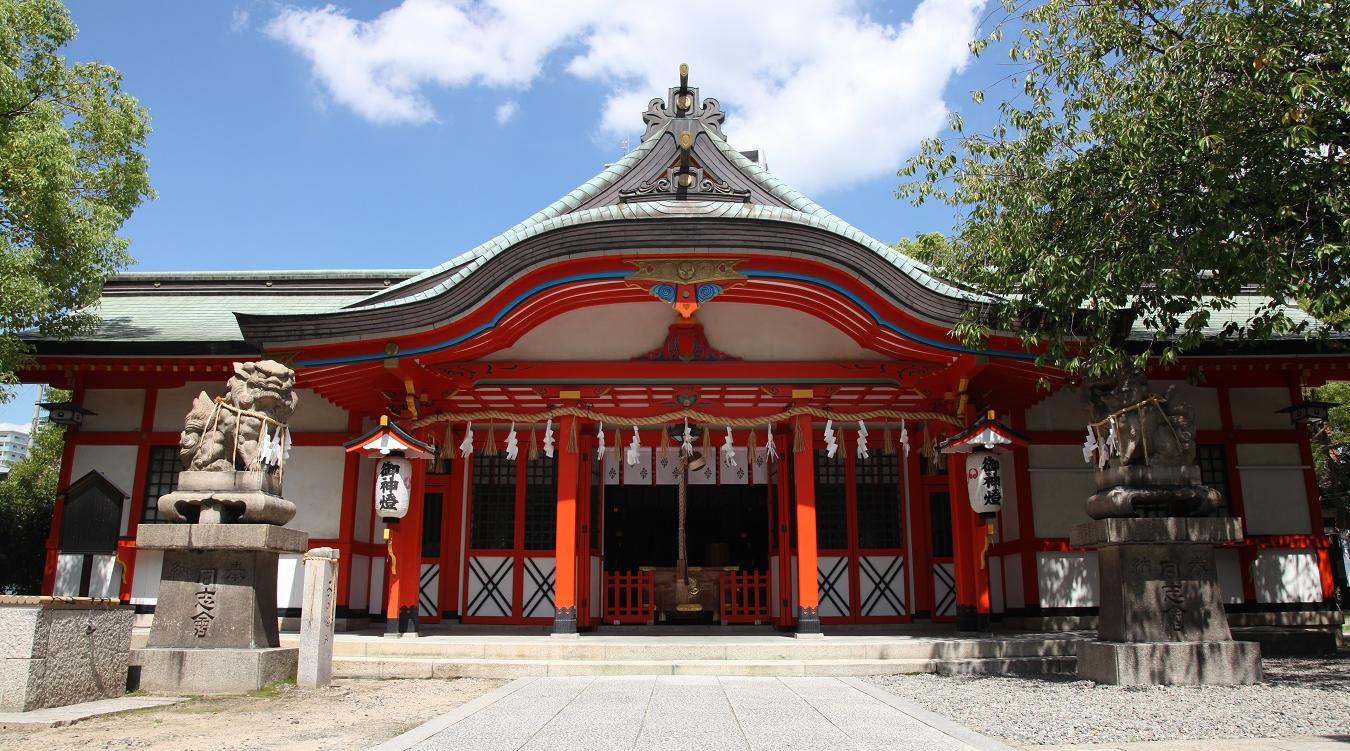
(691, 712)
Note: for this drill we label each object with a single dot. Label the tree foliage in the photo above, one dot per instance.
(72, 169)
(26, 499)
(1158, 158)
(1331, 448)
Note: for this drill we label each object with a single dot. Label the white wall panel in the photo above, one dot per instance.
(1061, 410)
(1068, 580)
(69, 566)
(313, 483)
(172, 405)
(1060, 485)
(317, 414)
(1014, 595)
(358, 596)
(1274, 493)
(115, 409)
(145, 577)
(290, 581)
(1287, 575)
(1228, 569)
(1259, 408)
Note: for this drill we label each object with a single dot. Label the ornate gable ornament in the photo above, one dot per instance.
(684, 178)
(686, 283)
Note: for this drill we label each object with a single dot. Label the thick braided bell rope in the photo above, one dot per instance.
(691, 414)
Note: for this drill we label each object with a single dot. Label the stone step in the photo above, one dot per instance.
(701, 650)
(424, 667)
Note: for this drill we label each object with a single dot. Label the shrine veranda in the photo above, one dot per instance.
(684, 282)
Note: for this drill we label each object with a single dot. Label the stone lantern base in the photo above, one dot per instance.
(215, 624)
(1162, 619)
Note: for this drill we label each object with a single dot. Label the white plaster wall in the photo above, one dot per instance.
(1287, 575)
(1060, 486)
(1061, 410)
(290, 580)
(68, 569)
(1228, 568)
(1258, 408)
(1012, 579)
(375, 604)
(1274, 493)
(358, 596)
(365, 499)
(996, 584)
(1068, 580)
(1203, 399)
(1012, 500)
(172, 405)
(313, 483)
(115, 409)
(117, 463)
(314, 413)
(145, 578)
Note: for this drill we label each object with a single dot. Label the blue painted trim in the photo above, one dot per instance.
(598, 275)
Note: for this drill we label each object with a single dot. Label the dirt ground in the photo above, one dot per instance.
(350, 714)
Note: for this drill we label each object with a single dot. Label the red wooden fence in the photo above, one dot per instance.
(628, 598)
(745, 597)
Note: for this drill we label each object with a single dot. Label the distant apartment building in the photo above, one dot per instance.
(14, 446)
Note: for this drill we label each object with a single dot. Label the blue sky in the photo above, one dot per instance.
(398, 134)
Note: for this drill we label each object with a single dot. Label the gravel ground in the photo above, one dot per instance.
(349, 714)
(1301, 696)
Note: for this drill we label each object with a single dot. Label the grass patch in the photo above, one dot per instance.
(273, 690)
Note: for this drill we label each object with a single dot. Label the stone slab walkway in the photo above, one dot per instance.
(58, 716)
(690, 712)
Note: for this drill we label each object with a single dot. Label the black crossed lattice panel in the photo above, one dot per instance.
(490, 586)
(832, 582)
(944, 589)
(428, 590)
(537, 587)
(881, 586)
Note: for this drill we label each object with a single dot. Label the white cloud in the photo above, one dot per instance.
(829, 94)
(239, 19)
(22, 427)
(506, 111)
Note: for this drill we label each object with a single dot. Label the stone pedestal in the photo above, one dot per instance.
(317, 617)
(215, 624)
(1161, 618)
(56, 651)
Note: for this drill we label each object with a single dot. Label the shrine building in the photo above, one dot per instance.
(552, 372)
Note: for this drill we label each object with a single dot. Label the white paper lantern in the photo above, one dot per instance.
(393, 487)
(984, 482)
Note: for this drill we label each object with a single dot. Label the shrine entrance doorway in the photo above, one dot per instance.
(729, 544)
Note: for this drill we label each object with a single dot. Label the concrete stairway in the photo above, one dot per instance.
(770, 655)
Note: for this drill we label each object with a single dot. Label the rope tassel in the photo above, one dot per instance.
(490, 445)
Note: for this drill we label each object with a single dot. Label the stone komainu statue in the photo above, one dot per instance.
(233, 451)
(1148, 443)
(221, 435)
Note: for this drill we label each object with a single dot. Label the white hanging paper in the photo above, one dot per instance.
(634, 449)
(265, 450)
(1089, 446)
(728, 450)
(687, 440)
(862, 441)
(904, 438)
(736, 473)
(831, 446)
(770, 448)
(638, 472)
(548, 439)
(512, 444)
(285, 444)
(466, 445)
(600, 440)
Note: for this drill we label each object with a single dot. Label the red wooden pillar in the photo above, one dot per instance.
(405, 560)
(804, 485)
(968, 552)
(565, 549)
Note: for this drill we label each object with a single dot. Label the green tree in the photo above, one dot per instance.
(26, 499)
(1157, 159)
(1331, 450)
(72, 169)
